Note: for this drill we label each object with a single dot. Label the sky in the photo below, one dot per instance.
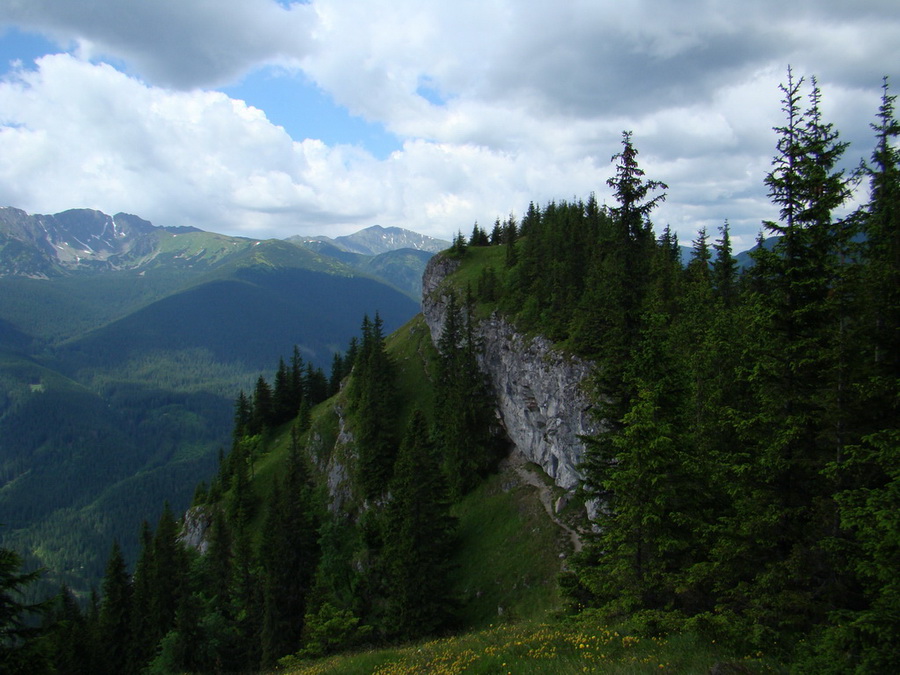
(265, 118)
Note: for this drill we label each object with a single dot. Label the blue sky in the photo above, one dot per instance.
(289, 98)
(304, 110)
(268, 119)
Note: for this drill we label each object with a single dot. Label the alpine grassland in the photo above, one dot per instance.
(530, 648)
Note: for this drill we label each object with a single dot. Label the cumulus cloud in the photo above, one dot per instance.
(79, 134)
(496, 102)
(174, 43)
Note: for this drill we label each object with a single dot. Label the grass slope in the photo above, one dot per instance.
(562, 648)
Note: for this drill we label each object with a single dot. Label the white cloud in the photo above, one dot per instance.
(496, 102)
(172, 42)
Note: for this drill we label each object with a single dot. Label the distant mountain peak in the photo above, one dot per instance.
(376, 240)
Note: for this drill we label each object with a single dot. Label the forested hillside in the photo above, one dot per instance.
(119, 373)
(746, 478)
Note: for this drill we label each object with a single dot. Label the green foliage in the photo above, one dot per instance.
(463, 432)
(747, 467)
(327, 631)
(373, 400)
(117, 385)
(115, 621)
(746, 473)
(288, 556)
(418, 538)
(20, 651)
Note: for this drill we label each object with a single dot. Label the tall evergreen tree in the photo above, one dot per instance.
(724, 267)
(869, 474)
(373, 399)
(145, 634)
(73, 643)
(247, 602)
(609, 327)
(783, 507)
(169, 575)
(288, 557)
(20, 652)
(419, 537)
(284, 402)
(463, 429)
(262, 415)
(116, 614)
(296, 378)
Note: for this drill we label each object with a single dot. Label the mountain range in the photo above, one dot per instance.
(123, 346)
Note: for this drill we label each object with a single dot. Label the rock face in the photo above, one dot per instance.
(539, 391)
(195, 529)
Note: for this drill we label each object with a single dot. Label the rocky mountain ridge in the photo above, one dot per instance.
(540, 392)
(42, 246)
(375, 240)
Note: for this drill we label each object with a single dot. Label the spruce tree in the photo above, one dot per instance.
(145, 634)
(262, 415)
(418, 538)
(782, 506)
(115, 625)
(463, 428)
(284, 403)
(869, 475)
(20, 652)
(169, 575)
(73, 647)
(373, 400)
(288, 556)
(724, 267)
(609, 325)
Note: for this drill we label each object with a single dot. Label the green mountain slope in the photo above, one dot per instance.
(120, 379)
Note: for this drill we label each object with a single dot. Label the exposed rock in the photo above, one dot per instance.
(336, 475)
(197, 521)
(539, 391)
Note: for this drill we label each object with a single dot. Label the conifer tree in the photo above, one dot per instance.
(169, 575)
(418, 538)
(288, 557)
(145, 635)
(724, 267)
(73, 646)
(296, 379)
(315, 385)
(115, 624)
(242, 416)
(782, 504)
(463, 429)
(284, 403)
(337, 374)
(247, 602)
(609, 326)
(372, 398)
(510, 237)
(869, 475)
(20, 652)
(479, 237)
(497, 233)
(262, 415)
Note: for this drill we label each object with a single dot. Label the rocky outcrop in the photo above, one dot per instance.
(337, 476)
(195, 528)
(540, 394)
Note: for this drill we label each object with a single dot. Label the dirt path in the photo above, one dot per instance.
(545, 493)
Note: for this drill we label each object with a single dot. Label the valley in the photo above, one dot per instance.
(120, 363)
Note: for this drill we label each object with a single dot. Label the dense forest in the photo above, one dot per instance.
(747, 475)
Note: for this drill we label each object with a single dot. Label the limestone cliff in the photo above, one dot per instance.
(539, 390)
